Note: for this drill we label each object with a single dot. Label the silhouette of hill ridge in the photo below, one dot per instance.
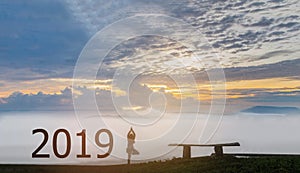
(272, 109)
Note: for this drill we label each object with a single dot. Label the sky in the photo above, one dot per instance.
(256, 45)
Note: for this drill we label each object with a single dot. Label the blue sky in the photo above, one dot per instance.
(40, 41)
(40, 36)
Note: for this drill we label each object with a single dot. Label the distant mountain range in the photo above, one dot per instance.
(272, 110)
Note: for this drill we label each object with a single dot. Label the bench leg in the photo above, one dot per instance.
(218, 151)
(186, 152)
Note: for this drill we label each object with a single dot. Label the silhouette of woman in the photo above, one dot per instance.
(130, 142)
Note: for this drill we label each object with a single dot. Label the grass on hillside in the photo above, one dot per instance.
(196, 165)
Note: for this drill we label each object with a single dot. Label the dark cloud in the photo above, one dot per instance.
(253, 97)
(280, 97)
(256, 4)
(286, 25)
(40, 101)
(288, 18)
(285, 69)
(289, 69)
(276, 33)
(221, 20)
(264, 91)
(138, 95)
(264, 22)
(295, 77)
(142, 96)
(25, 74)
(275, 53)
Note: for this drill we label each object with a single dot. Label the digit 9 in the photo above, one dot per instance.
(104, 145)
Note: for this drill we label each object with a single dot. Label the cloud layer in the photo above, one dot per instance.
(37, 102)
(41, 40)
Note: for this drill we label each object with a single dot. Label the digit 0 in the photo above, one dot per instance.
(68, 140)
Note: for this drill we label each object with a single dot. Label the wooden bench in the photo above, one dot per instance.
(217, 147)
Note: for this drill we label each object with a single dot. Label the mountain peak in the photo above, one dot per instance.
(272, 110)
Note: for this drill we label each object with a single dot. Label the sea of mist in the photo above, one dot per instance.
(257, 133)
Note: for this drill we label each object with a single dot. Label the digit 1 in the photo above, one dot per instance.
(83, 143)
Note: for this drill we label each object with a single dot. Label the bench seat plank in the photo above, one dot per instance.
(217, 147)
(208, 145)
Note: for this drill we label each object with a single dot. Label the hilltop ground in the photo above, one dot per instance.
(199, 165)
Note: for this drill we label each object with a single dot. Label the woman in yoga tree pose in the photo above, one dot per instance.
(130, 148)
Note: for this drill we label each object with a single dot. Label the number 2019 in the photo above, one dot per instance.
(82, 134)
